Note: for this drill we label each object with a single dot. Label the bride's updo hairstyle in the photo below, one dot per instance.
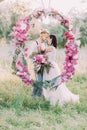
(54, 40)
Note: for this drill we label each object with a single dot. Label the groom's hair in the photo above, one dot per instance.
(44, 32)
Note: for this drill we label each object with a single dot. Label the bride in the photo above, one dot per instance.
(62, 94)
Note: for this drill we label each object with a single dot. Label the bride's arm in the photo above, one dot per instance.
(49, 49)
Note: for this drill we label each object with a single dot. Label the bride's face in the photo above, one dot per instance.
(49, 40)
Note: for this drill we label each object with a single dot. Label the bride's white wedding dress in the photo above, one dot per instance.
(62, 94)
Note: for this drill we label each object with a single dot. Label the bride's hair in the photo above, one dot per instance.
(54, 40)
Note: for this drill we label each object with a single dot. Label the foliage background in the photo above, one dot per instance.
(15, 11)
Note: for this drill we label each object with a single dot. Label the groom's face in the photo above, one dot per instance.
(44, 36)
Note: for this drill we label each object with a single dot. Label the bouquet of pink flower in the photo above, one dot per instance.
(41, 62)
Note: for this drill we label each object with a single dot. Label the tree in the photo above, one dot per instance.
(1, 0)
(83, 30)
(81, 25)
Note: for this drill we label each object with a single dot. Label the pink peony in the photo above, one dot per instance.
(25, 69)
(38, 58)
(25, 49)
(19, 64)
(69, 35)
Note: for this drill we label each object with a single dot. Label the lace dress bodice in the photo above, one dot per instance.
(54, 70)
(52, 55)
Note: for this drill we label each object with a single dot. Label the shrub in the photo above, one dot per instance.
(81, 24)
(6, 26)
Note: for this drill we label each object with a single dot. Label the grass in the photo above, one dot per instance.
(20, 111)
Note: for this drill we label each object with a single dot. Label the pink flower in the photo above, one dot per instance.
(19, 64)
(26, 52)
(69, 36)
(26, 49)
(18, 43)
(74, 61)
(27, 76)
(67, 23)
(38, 58)
(59, 18)
(69, 64)
(23, 26)
(25, 69)
(75, 57)
(26, 19)
(37, 14)
(54, 11)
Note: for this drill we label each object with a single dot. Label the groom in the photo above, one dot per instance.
(41, 46)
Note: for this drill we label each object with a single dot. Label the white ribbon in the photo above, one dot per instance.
(46, 4)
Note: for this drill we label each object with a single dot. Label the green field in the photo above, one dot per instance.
(20, 111)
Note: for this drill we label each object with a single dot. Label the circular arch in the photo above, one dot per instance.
(20, 36)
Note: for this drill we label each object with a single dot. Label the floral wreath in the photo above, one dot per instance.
(20, 34)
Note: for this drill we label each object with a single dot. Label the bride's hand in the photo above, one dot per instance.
(43, 47)
(49, 49)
